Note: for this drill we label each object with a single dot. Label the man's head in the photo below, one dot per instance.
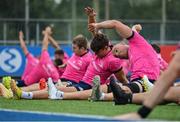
(79, 45)
(100, 45)
(121, 51)
(59, 57)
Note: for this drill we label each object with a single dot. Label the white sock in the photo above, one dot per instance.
(53, 92)
(102, 96)
(59, 95)
(50, 83)
(27, 95)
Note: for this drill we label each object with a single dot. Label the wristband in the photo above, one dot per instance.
(144, 111)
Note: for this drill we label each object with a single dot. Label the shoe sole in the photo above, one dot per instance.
(7, 82)
(116, 90)
(95, 89)
(4, 91)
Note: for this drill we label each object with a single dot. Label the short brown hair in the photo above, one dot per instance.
(98, 42)
(59, 52)
(80, 41)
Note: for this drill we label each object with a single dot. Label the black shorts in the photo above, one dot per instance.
(82, 86)
(134, 87)
(69, 82)
(140, 79)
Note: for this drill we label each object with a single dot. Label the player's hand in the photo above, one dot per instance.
(130, 116)
(92, 27)
(90, 11)
(137, 27)
(43, 32)
(21, 35)
(48, 30)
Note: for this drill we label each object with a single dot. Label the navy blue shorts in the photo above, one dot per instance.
(82, 86)
(69, 82)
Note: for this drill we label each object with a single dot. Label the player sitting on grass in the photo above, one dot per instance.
(103, 52)
(142, 57)
(160, 91)
(36, 69)
(97, 93)
(76, 65)
(103, 64)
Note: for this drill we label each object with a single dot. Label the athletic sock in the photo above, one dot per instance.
(27, 95)
(59, 95)
(53, 92)
(144, 111)
(102, 96)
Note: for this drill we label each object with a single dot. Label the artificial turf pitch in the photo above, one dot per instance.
(162, 112)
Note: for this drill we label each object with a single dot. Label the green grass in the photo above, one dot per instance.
(162, 112)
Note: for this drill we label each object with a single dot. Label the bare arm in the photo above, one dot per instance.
(121, 28)
(91, 17)
(53, 42)
(45, 41)
(22, 43)
(51, 39)
(121, 77)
